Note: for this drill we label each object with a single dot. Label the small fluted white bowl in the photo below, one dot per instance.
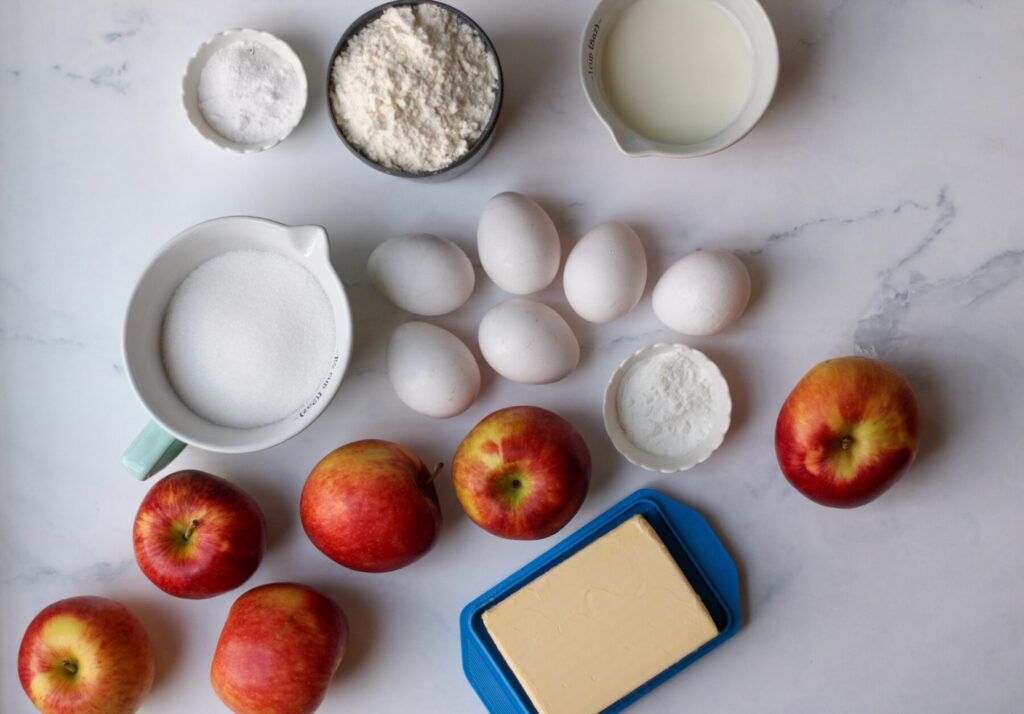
(190, 86)
(721, 411)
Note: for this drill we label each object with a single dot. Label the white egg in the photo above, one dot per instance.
(702, 293)
(518, 244)
(422, 274)
(527, 341)
(432, 370)
(605, 272)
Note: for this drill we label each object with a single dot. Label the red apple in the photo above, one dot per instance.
(197, 535)
(522, 472)
(278, 651)
(371, 505)
(86, 654)
(847, 431)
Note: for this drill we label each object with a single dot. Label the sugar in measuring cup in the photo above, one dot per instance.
(235, 339)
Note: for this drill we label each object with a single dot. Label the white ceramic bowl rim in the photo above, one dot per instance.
(721, 406)
(308, 245)
(190, 86)
(758, 27)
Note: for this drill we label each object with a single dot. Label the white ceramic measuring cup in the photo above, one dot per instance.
(173, 424)
(758, 29)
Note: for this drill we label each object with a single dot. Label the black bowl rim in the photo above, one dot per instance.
(481, 141)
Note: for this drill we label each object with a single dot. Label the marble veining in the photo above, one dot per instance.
(943, 206)
(876, 333)
(88, 576)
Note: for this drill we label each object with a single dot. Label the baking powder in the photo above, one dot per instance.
(665, 404)
(249, 94)
(414, 88)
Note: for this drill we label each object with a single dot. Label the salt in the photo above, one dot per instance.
(249, 94)
(665, 404)
(247, 337)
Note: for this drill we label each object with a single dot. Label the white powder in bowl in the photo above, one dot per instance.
(247, 337)
(665, 404)
(414, 88)
(249, 94)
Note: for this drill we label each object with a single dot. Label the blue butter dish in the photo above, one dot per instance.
(691, 542)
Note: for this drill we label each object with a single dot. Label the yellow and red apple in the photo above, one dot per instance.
(371, 505)
(279, 650)
(522, 472)
(86, 654)
(847, 431)
(197, 535)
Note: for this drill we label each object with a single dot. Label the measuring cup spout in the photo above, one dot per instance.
(630, 143)
(310, 241)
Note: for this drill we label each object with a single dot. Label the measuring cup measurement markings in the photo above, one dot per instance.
(320, 392)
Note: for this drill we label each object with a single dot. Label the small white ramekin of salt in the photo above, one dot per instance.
(667, 407)
(244, 90)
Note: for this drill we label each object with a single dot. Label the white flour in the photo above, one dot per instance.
(248, 93)
(414, 88)
(247, 337)
(664, 404)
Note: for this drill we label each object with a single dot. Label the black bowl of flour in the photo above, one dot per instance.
(414, 90)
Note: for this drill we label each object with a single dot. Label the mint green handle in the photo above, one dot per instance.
(152, 449)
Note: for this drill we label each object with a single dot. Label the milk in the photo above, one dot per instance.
(677, 71)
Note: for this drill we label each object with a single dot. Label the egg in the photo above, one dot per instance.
(432, 371)
(518, 244)
(527, 341)
(702, 293)
(605, 272)
(422, 273)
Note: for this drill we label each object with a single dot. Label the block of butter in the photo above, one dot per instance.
(606, 615)
(600, 623)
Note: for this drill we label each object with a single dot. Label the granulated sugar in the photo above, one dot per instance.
(247, 337)
(414, 88)
(249, 94)
(665, 404)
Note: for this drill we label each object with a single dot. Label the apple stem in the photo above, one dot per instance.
(191, 529)
(437, 469)
(70, 666)
(846, 443)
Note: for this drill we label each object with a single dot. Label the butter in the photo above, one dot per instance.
(600, 623)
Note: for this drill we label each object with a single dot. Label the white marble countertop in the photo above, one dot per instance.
(877, 205)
